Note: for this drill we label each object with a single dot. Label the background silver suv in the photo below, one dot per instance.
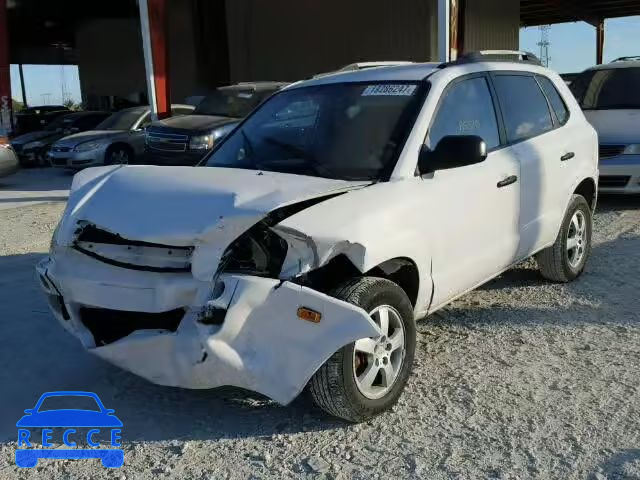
(610, 98)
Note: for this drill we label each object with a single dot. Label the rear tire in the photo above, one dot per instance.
(341, 385)
(565, 260)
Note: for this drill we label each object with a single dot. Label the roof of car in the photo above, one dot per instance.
(409, 72)
(617, 64)
(146, 108)
(86, 112)
(263, 85)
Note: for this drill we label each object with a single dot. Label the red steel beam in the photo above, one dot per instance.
(5, 78)
(159, 33)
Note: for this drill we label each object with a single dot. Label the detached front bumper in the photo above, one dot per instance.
(246, 335)
(620, 174)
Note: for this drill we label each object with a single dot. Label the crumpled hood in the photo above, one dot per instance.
(615, 126)
(88, 136)
(203, 207)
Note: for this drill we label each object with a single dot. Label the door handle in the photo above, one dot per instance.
(507, 181)
(567, 156)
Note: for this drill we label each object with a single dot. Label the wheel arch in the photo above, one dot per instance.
(588, 189)
(403, 271)
(119, 144)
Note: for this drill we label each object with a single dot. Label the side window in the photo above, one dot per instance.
(87, 122)
(525, 109)
(466, 109)
(558, 105)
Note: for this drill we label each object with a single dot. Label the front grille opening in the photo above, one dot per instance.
(118, 251)
(108, 326)
(613, 181)
(607, 151)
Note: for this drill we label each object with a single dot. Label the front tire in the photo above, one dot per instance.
(366, 377)
(565, 260)
(118, 155)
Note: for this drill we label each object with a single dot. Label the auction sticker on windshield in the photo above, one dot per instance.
(396, 90)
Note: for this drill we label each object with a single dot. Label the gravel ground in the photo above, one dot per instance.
(520, 379)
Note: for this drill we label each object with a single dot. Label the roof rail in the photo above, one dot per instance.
(495, 56)
(632, 58)
(354, 67)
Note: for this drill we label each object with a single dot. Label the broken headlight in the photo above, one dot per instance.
(259, 251)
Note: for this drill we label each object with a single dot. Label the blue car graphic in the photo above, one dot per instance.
(28, 457)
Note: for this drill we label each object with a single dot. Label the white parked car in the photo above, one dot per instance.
(304, 248)
(610, 98)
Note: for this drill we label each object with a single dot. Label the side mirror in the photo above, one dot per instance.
(452, 151)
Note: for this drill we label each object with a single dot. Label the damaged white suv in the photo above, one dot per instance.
(303, 249)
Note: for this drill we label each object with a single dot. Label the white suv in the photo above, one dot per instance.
(304, 248)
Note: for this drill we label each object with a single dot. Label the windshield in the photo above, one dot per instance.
(234, 101)
(58, 123)
(123, 120)
(613, 88)
(341, 131)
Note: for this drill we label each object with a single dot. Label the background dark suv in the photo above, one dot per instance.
(185, 140)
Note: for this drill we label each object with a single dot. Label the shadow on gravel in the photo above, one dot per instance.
(38, 356)
(624, 465)
(610, 282)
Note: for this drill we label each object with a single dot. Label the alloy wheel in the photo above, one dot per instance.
(377, 361)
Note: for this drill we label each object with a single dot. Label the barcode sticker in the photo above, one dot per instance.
(390, 90)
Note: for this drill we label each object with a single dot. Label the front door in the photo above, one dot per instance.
(477, 211)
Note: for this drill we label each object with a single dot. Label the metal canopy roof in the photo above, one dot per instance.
(543, 12)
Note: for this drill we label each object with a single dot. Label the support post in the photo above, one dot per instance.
(5, 76)
(600, 41)
(153, 26)
(23, 90)
(457, 24)
(444, 22)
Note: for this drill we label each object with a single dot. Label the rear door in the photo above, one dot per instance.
(536, 136)
(475, 227)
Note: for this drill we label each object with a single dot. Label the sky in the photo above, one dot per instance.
(573, 49)
(573, 45)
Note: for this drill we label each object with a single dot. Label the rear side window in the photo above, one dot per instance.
(558, 105)
(524, 107)
(466, 109)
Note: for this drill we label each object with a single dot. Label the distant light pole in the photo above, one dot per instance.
(544, 44)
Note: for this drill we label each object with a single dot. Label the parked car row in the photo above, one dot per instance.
(119, 139)
(32, 147)
(606, 93)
